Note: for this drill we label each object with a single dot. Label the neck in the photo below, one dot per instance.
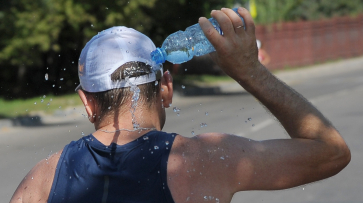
(121, 128)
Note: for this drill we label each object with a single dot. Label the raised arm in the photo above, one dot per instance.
(316, 150)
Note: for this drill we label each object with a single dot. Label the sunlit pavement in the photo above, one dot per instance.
(336, 89)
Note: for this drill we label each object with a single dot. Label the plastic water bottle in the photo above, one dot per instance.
(180, 46)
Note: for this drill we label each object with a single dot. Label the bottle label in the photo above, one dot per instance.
(219, 30)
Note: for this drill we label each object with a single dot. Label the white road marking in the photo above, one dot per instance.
(314, 101)
(262, 125)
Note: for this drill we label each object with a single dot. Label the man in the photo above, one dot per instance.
(128, 158)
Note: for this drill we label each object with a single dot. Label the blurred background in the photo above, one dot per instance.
(315, 46)
(45, 37)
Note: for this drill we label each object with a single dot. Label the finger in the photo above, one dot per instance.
(224, 22)
(235, 19)
(248, 20)
(210, 32)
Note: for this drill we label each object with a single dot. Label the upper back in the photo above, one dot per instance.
(89, 171)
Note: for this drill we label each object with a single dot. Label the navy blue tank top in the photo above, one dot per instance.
(89, 171)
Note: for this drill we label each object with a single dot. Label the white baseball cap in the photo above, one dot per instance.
(109, 50)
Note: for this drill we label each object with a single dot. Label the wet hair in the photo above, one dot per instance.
(112, 100)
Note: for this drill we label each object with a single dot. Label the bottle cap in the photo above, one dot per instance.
(157, 56)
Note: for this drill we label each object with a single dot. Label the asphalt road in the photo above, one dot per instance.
(336, 89)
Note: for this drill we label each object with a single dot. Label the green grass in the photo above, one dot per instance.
(21, 107)
(209, 79)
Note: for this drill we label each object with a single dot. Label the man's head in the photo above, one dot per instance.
(111, 64)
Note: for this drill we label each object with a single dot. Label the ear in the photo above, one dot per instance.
(166, 89)
(89, 105)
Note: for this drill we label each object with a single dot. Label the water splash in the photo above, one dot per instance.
(135, 98)
(176, 109)
(203, 125)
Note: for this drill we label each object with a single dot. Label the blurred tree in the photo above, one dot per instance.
(46, 36)
(272, 11)
(170, 16)
(41, 37)
(320, 9)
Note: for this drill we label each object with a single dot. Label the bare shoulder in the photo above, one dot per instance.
(36, 185)
(205, 164)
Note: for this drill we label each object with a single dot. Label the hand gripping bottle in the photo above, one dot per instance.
(180, 46)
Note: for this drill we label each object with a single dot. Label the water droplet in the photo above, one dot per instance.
(186, 70)
(82, 133)
(222, 157)
(46, 76)
(175, 109)
(253, 125)
(42, 100)
(156, 147)
(249, 119)
(53, 85)
(35, 102)
(206, 113)
(91, 25)
(192, 132)
(145, 137)
(127, 51)
(203, 125)
(152, 152)
(166, 142)
(32, 177)
(60, 106)
(129, 42)
(51, 99)
(70, 177)
(60, 87)
(162, 89)
(109, 107)
(183, 87)
(44, 96)
(156, 83)
(72, 61)
(106, 8)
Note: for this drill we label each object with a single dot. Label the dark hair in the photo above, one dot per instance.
(112, 100)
